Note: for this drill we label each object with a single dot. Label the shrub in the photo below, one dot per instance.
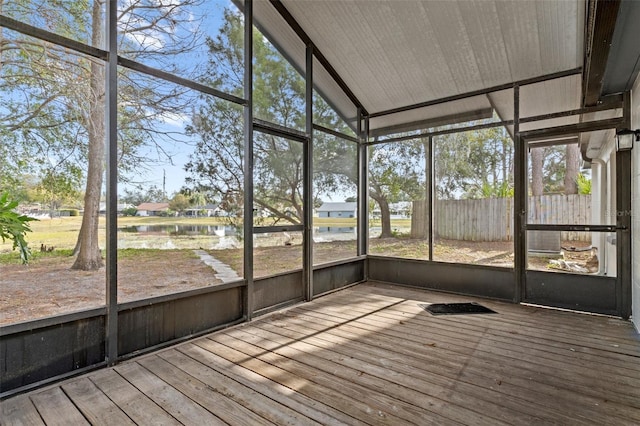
(584, 184)
(14, 226)
(130, 211)
(70, 212)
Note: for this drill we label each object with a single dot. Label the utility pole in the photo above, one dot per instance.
(164, 183)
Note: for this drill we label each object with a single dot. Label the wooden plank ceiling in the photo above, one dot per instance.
(397, 53)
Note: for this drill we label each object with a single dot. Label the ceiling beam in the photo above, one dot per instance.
(601, 23)
(506, 86)
(571, 129)
(623, 65)
(433, 122)
(554, 142)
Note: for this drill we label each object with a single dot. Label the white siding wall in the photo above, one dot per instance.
(635, 206)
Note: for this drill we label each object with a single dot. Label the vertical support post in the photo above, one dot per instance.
(430, 182)
(111, 127)
(307, 178)
(248, 159)
(623, 222)
(363, 186)
(520, 202)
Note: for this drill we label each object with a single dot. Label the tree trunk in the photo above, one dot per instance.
(1, 37)
(426, 218)
(537, 161)
(89, 257)
(573, 164)
(503, 160)
(385, 216)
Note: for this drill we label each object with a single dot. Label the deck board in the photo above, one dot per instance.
(397, 381)
(266, 407)
(20, 411)
(177, 404)
(513, 361)
(368, 354)
(420, 375)
(464, 342)
(351, 387)
(316, 410)
(445, 360)
(57, 409)
(96, 407)
(139, 407)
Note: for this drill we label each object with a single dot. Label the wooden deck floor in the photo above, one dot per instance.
(368, 355)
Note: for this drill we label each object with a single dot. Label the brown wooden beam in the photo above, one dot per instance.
(601, 22)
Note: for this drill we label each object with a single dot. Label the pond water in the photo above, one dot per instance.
(215, 236)
(177, 230)
(334, 233)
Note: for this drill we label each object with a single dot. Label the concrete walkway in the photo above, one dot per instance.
(223, 271)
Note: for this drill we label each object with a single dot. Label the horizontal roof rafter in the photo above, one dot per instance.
(486, 91)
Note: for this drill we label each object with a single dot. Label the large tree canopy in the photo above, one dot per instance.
(396, 173)
(473, 164)
(279, 97)
(53, 112)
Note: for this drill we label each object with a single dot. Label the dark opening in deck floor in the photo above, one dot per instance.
(368, 355)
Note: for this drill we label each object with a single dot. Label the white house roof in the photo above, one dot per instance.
(204, 207)
(338, 207)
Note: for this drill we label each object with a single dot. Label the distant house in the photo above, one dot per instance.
(152, 209)
(208, 210)
(342, 210)
(399, 210)
(119, 207)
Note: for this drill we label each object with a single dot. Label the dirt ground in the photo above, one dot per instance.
(48, 286)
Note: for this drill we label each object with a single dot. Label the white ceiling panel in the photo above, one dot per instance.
(487, 42)
(278, 32)
(397, 53)
(334, 95)
(561, 94)
(449, 110)
(503, 102)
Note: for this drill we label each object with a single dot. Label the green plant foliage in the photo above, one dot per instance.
(474, 164)
(14, 226)
(131, 211)
(584, 184)
(499, 190)
(69, 212)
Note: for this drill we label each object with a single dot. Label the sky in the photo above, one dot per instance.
(171, 173)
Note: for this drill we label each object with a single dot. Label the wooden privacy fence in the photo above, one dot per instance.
(491, 219)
